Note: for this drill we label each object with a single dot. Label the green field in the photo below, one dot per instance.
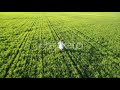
(29, 44)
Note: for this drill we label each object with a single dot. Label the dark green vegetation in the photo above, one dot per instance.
(28, 45)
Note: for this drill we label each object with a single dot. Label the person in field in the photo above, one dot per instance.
(61, 45)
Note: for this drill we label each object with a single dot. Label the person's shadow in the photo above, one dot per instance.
(72, 50)
(69, 50)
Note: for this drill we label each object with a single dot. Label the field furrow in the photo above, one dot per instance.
(29, 44)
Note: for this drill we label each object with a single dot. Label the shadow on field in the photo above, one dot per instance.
(86, 61)
(94, 60)
(72, 50)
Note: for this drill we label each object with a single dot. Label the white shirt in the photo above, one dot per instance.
(61, 45)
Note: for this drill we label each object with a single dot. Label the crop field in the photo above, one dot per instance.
(29, 44)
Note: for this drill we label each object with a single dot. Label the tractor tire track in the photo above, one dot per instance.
(84, 39)
(53, 31)
(42, 57)
(9, 54)
(40, 68)
(71, 56)
(67, 54)
(89, 39)
(74, 62)
(17, 29)
(17, 51)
